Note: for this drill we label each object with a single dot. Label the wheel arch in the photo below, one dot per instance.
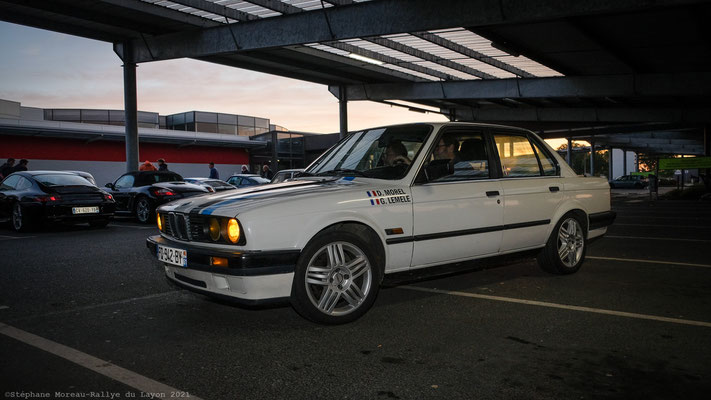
(361, 229)
(574, 208)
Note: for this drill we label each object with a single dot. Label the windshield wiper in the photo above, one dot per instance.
(340, 171)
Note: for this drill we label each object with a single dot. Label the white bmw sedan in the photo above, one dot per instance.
(381, 201)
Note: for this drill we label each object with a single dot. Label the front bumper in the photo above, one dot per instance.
(251, 277)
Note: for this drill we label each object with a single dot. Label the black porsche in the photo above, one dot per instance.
(140, 192)
(29, 198)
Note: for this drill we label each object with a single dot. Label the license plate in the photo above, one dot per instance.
(172, 255)
(85, 210)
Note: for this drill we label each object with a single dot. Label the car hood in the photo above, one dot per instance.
(233, 202)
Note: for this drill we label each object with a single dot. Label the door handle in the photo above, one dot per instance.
(493, 193)
(553, 188)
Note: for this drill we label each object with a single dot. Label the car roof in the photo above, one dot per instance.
(246, 175)
(47, 172)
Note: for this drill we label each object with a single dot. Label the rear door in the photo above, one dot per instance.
(532, 189)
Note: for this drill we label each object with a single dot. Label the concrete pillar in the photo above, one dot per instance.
(343, 112)
(624, 161)
(592, 158)
(610, 151)
(568, 152)
(130, 107)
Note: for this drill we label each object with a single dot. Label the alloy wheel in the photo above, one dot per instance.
(570, 242)
(339, 277)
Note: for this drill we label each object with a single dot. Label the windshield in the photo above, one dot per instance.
(384, 153)
(62, 180)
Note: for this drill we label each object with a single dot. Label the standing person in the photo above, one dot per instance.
(213, 172)
(162, 166)
(267, 172)
(147, 166)
(6, 169)
(245, 170)
(22, 166)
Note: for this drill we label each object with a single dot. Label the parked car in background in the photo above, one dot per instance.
(286, 174)
(244, 180)
(629, 182)
(89, 177)
(212, 185)
(29, 198)
(381, 201)
(138, 193)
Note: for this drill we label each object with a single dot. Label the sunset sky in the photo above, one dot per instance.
(51, 70)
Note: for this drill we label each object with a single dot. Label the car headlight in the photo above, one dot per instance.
(214, 229)
(233, 230)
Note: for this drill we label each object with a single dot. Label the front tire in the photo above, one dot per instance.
(144, 210)
(565, 250)
(336, 279)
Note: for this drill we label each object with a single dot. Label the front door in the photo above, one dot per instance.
(458, 214)
(122, 191)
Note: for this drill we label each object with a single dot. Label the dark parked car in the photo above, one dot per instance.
(629, 181)
(140, 192)
(213, 185)
(243, 180)
(30, 197)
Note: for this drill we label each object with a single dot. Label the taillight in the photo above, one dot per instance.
(210, 189)
(163, 192)
(46, 199)
(108, 197)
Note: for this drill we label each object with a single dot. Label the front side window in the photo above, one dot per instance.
(458, 155)
(384, 153)
(125, 181)
(517, 156)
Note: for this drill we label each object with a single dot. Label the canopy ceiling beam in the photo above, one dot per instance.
(373, 18)
(680, 85)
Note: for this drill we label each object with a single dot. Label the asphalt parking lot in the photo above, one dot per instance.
(83, 313)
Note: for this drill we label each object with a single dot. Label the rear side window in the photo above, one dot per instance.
(517, 155)
(10, 183)
(23, 184)
(547, 163)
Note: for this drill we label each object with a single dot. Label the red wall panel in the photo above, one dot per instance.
(19, 147)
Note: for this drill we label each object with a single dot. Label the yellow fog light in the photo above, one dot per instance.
(233, 230)
(218, 262)
(160, 223)
(214, 229)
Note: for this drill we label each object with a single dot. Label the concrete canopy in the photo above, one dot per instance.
(540, 64)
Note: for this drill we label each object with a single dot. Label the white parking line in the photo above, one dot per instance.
(561, 306)
(94, 306)
(5, 237)
(146, 385)
(634, 260)
(4, 307)
(667, 226)
(657, 238)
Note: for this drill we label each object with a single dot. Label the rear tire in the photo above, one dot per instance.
(20, 221)
(336, 279)
(565, 250)
(144, 210)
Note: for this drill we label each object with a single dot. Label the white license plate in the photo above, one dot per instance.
(85, 210)
(172, 255)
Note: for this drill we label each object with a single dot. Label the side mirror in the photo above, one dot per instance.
(109, 185)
